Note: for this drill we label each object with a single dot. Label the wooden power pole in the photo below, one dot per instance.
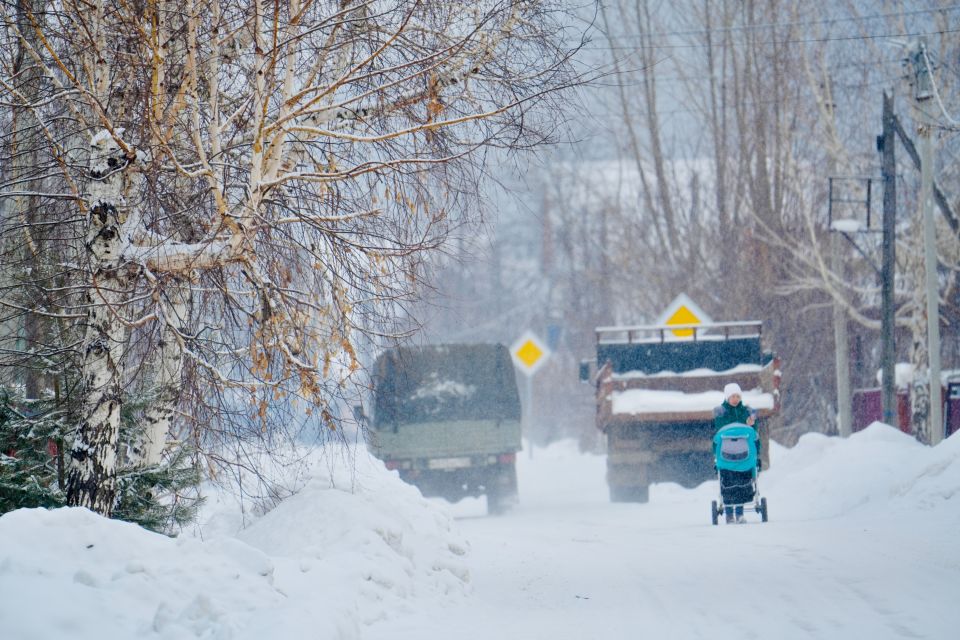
(886, 144)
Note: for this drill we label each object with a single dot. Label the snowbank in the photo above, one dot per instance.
(879, 468)
(355, 545)
(68, 573)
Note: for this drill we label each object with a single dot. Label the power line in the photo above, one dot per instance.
(868, 36)
(774, 25)
(833, 67)
(749, 103)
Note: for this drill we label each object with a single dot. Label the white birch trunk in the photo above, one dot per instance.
(92, 477)
(920, 385)
(919, 356)
(158, 417)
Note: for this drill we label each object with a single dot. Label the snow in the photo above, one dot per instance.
(905, 374)
(634, 401)
(103, 138)
(443, 389)
(861, 543)
(353, 546)
(846, 226)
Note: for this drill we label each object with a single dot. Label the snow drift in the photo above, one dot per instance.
(356, 549)
(354, 545)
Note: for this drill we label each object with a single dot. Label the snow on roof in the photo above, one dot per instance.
(443, 389)
(635, 401)
(904, 375)
(693, 373)
(846, 226)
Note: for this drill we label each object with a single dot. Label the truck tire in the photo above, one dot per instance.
(496, 501)
(763, 509)
(764, 432)
(502, 490)
(714, 512)
(630, 493)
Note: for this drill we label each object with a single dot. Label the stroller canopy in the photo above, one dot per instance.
(735, 447)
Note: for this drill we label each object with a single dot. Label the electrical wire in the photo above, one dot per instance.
(833, 67)
(868, 36)
(936, 92)
(774, 25)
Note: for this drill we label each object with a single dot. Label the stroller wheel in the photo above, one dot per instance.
(763, 509)
(714, 512)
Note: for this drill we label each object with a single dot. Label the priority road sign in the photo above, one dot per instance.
(683, 311)
(529, 353)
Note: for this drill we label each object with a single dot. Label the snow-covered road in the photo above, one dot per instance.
(863, 542)
(852, 550)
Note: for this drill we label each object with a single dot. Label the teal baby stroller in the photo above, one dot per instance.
(736, 458)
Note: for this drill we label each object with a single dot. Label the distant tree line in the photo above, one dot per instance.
(701, 165)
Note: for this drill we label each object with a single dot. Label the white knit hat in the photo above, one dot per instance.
(732, 388)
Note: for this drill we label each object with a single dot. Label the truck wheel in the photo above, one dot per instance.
(502, 491)
(495, 505)
(763, 509)
(630, 494)
(499, 501)
(714, 512)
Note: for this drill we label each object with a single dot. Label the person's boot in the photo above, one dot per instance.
(729, 515)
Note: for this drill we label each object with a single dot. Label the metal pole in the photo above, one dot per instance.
(888, 269)
(842, 349)
(933, 287)
(528, 402)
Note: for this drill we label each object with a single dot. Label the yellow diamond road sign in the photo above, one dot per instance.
(529, 353)
(683, 311)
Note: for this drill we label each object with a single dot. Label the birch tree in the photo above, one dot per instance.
(259, 184)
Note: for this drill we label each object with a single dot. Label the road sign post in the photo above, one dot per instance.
(529, 354)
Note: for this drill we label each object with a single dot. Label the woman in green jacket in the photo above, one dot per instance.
(734, 411)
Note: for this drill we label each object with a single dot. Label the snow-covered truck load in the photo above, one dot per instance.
(657, 387)
(447, 418)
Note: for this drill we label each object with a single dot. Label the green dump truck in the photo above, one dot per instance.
(447, 418)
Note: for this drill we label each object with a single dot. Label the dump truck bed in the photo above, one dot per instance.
(682, 397)
(657, 388)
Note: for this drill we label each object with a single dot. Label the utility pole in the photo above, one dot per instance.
(887, 272)
(922, 93)
(841, 342)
